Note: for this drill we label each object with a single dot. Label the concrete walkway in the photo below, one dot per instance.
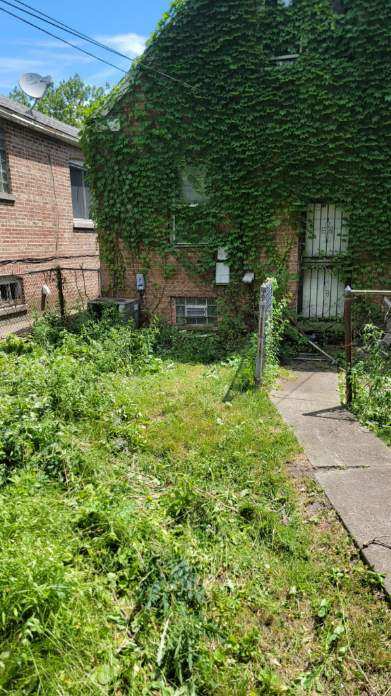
(351, 464)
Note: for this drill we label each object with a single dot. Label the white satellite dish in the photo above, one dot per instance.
(35, 85)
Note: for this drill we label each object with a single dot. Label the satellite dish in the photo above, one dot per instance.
(35, 85)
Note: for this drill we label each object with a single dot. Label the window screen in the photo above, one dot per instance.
(81, 199)
(195, 311)
(4, 178)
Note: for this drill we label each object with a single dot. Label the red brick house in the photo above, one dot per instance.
(240, 137)
(44, 216)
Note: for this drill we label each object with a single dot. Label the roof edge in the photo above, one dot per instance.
(44, 129)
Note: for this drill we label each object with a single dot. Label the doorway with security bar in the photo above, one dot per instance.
(321, 284)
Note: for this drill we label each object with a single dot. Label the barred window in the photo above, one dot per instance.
(11, 292)
(195, 311)
(4, 178)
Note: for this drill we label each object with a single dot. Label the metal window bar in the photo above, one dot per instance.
(195, 310)
(321, 286)
(11, 292)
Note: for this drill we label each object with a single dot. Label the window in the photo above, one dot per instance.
(4, 178)
(275, 3)
(11, 292)
(195, 311)
(339, 6)
(285, 60)
(81, 198)
(193, 186)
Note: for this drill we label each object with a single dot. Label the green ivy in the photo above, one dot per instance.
(271, 138)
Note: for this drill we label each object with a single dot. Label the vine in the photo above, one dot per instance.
(270, 138)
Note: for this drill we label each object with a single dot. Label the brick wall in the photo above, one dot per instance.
(161, 291)
(39, 223)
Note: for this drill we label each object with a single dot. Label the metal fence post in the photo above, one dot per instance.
(265, 312)
(261, 340)
(348, 344)
(60, 290)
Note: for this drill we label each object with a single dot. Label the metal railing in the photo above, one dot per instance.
(30, 288)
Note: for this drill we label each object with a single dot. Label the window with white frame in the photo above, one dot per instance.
(11, 292)
(81, 197)
(195, 311)
(4, 176)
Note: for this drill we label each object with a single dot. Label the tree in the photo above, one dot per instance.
(67, 102)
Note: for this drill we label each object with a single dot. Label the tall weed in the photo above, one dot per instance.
(372, 383)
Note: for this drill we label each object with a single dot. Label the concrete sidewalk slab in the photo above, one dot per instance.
(363, 500)
(379, 558)
(352, 465)
(330, 435)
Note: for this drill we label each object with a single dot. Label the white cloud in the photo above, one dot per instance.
(131, 44)
(53, 57)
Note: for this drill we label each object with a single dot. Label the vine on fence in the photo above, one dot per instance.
(267, 137)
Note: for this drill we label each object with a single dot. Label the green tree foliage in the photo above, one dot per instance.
(69, 101)
(271, 137)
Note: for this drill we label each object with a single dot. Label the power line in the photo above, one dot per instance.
(59, 38)
(66, 28)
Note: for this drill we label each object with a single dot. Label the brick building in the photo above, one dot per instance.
(44, 216)
(180, 159)
(191, 299)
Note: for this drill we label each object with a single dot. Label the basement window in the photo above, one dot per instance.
(4, 176)
(195, 311)
(11, 295)
(81, 197)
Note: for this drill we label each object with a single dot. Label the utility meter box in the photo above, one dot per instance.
(140, 282)
(129, 310)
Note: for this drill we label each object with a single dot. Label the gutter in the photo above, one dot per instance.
(21, 120)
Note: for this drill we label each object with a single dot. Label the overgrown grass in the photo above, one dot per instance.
(152, 541)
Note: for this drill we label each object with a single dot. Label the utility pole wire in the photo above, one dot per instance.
(59, 38)
(64, 27)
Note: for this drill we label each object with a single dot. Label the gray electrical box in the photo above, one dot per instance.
(129, 310)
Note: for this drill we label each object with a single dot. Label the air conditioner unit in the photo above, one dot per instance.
(129, 310)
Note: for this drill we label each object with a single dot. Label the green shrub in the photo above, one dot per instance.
(59, 379)
(15, 344)
(372, 383)
(188, 345)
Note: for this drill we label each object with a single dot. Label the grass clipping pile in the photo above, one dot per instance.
(151, 541)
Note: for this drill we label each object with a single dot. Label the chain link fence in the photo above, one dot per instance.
(264, 325)
(28, 290)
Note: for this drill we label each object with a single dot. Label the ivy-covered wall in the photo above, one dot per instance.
(270, 138)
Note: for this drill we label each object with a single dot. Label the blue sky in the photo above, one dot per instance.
(123, 24)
